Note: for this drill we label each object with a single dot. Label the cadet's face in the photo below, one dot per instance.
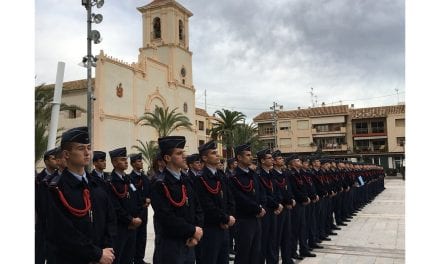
(197, 165)
(212, 157)
(177, 158)
(79, 155)
(305, 164)
(100, 164)
(267, 161)
(138, 164)
(120, 163)
(234, 164)
(51, 162)
(245, 158)
(297, 163)
(279, 161)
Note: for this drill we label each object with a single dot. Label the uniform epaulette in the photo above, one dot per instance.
(53, 184)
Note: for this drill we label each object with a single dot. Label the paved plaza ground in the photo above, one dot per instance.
(376, 235)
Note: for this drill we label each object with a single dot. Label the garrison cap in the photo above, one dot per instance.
(50, 152)
(243, 147)
(77, 134)
(291, 157)
(262, 153)
(97, 155)
(276, 153)
(208, 145)
(135, 157)
(170, 142)
(192, 158)
(119, 152)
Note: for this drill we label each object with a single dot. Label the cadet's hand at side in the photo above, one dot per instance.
(107, 256)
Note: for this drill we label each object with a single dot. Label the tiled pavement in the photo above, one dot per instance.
(376, 235)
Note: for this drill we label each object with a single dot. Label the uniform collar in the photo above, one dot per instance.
(175, 174)
(79, 177)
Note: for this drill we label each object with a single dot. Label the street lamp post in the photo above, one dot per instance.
(275, 108)
(89, 60)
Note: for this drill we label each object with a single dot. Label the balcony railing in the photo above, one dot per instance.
(340, 130)
(334, 147)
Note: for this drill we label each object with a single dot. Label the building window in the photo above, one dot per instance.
(377, 127)
(73, 114)
(284, 126)
(400, 141)
(269, 143)
(183, 81)
(400, 122)
(303, 141)
(180, 30)
(303, 124)
(268, 130)
(362, 145)
(156, 28)
(285, 142)
(361, 128)
(201, 142)
(379, 145)
(201, 125)
(185, 107)
(321, 128)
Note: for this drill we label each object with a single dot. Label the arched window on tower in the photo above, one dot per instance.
(181, 30)
(156, 28)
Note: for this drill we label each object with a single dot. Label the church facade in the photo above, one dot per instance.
(162, 77)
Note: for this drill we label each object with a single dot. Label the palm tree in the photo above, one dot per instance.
(227, 122)
(246, 133)
(149, 150)
(43, 111)
(165, 122)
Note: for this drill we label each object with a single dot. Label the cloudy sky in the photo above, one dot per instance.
(249, 54)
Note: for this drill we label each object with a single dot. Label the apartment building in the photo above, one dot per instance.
(374, 134)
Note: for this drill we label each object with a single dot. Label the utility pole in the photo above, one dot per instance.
(313, 97)
(275, 108)
(89, 60)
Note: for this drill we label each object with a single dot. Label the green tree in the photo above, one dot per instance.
(43, 112)
(149, 150)
(164, 121)
(247, 133)
(223, 129)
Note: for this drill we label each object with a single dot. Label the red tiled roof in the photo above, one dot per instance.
(308, 112)
(375, 112)
(201, 112)
(72, 85)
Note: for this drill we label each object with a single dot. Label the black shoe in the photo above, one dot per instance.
(313, 246)
(336, 228)
(307, 255)
(349, 217)
(342, 224)
(296, 256)
(326, 239)
(346, 220)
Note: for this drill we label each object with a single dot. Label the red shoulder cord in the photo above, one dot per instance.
(211, 190)
(174, 203)
(282, 183)
(122, 194)
(247, 188)
(74, 211)
(268, 185)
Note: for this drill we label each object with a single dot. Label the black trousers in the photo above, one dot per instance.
(174, 251)
(284, 237)
(312, 232)
(269, 252)
(300, 228)
(214, 246)
(40, 246)
(321, 218)
(125, 245)
(141, 238)
(248, 240)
